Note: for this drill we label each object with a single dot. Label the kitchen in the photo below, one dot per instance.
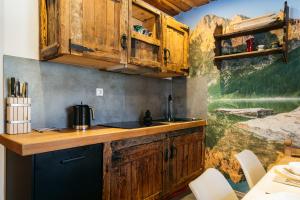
(126, 103)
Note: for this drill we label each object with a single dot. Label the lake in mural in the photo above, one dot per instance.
(253, 103)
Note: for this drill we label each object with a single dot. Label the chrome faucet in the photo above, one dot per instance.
(170, 116)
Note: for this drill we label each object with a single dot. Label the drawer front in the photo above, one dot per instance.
(69, 174)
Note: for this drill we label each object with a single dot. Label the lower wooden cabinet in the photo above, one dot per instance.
(186, 159)
(153, 167)
(137, 172)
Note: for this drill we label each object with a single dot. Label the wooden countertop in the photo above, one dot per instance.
(34, 143)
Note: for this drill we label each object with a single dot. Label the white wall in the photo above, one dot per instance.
(21, 31)
(1, 103)
(19, 35)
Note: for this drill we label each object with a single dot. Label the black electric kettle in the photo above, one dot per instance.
(82, 115)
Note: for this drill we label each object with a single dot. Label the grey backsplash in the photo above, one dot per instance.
(54, 88)
(190, 97)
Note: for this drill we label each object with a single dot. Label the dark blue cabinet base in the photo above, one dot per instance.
(70, 174)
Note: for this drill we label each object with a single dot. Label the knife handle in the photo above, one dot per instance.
(18, 91)
(13, 87)
(26, 90)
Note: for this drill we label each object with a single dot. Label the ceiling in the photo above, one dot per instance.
(174, 7)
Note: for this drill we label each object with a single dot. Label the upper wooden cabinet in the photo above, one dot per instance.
(145, 34)
(128, 36)
(175, 44)
(84, 32)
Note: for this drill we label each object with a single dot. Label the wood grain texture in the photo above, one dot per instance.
(144, 50)
(186, 160)
(137, 174)
(278, 24)
(264, 52)
(155, 167)
(49, 29)
(177, 58)
(34, 143)
(107, 153)
(88, 33)
(84, 28)
(64, 25)
(174, 7)
(43, 24)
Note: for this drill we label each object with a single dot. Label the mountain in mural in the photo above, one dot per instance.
(202, 45)
(202, 51)
(242, 88)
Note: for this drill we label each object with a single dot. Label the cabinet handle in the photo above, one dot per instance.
(167, 55)
(124, 41)
(72, 159)
(173, 152)
(166, 155)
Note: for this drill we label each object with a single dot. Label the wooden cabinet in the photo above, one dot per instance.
(175, 44)
(186, 159)
(153, 167)
(145, 45)
(96, 29)
(137, 172)
(105, 33)
(84, 32)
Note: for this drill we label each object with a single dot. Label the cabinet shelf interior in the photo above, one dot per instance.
(147, 19)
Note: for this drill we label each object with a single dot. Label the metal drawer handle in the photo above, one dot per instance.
(173, 152)
(72, 159)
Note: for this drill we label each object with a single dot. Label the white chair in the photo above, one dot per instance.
(212, 185)
(251, 166)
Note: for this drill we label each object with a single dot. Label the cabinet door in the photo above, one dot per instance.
(186, 158)
(99, 29)
(69, 174)
(49, 29)
(175, 43)
(137, 172)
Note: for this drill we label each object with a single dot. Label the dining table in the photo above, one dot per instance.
(266, 185)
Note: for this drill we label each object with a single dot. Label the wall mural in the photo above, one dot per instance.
(253, 103)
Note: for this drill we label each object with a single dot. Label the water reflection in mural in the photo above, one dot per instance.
(253, 103)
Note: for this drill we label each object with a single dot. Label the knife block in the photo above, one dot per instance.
(18, 115)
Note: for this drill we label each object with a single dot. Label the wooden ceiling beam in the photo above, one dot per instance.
(190, 3)
(174, 7)
(181, 4)
(199, 2)
(165, 6)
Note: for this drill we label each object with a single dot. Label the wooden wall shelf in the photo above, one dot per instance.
(249, 54)
(251, 31)
(281, 24)
(144, 38)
